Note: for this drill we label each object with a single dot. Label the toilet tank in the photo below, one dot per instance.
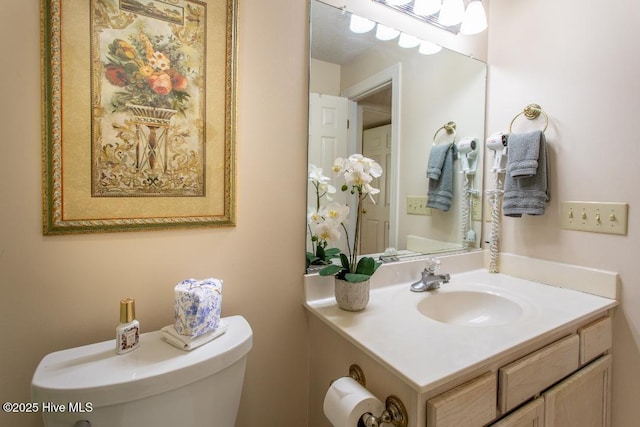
(155, 385)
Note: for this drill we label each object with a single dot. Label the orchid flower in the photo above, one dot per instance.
(358, 173)
(336, 213)
(321, 183)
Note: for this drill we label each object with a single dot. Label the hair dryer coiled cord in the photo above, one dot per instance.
(496, 209)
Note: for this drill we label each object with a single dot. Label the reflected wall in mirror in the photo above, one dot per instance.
(390, 103)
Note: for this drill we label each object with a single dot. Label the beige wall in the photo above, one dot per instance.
(63, 291)
(581, 65)
(429, 98)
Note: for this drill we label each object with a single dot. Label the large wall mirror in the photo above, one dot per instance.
(391, 104)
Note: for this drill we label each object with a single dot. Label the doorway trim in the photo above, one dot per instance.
(361, 90)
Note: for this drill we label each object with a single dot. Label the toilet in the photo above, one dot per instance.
(155, 385)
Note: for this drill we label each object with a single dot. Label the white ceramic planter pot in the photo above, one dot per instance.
(352, 296)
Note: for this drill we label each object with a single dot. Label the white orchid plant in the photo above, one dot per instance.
(325, 222)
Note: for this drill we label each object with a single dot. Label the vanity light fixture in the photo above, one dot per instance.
(360, 25)
(475, 19)
(449, 15)
(426, 7)
(408, 41)
(386, 33)
(428, 48)
(398, 2)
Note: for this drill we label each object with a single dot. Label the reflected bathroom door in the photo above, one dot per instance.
(376, 144)
(328, 136)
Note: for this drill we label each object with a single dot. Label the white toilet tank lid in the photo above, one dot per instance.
(95, 373)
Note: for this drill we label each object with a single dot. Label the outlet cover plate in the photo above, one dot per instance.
(477, 209)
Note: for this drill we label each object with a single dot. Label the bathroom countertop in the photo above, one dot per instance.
(426, 353)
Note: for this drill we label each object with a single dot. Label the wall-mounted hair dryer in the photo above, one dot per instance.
(498, 144)
(468, 154)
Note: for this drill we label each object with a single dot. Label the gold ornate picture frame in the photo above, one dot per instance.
(138, 112)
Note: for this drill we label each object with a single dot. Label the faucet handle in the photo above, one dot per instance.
(433, 265)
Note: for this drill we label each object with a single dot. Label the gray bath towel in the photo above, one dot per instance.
(524, 150)
(440, 174)
(436, 160)
(527, 195)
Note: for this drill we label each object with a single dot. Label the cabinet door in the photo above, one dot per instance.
(583, 399)
(530, 415)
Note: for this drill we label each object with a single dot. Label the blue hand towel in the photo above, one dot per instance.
(528, 194)
(440, 174)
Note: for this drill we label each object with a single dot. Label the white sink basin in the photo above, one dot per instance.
(473, 308)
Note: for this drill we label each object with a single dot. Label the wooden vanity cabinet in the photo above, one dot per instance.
(564, 384)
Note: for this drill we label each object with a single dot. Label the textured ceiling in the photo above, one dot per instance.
(331, 40)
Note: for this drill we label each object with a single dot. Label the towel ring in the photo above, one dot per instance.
(532, 112)
(450, 128)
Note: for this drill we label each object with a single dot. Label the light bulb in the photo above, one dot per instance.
(426, 7)
(408, 41)
(428, 48)
(386, 33)
(475, 19)
(451, 13)
(360, 25)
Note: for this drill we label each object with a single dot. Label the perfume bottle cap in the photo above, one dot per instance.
(127, 310)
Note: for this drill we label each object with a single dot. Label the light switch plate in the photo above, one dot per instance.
(597, 217)
(417, 205)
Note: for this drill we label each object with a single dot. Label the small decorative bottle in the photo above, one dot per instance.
(128, 331)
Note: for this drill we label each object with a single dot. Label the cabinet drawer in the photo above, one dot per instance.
(530, 375)
(595, 339)
(530, 415)
(472, 404)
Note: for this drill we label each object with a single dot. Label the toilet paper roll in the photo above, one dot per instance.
(346, 401)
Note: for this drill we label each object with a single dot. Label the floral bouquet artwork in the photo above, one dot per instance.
(145, 75)
(149, 112)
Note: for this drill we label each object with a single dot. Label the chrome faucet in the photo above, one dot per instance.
(430, 280)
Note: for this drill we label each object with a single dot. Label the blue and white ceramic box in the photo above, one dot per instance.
(197, 306)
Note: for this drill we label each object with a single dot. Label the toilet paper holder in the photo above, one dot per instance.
(394, 413)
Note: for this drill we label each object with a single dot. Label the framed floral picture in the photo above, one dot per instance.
(138, 114)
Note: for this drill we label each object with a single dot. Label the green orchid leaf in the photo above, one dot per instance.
(331, 252)
(345, 261)
(330, 270)
(377, 264)
(356, 277)
(367, 266)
